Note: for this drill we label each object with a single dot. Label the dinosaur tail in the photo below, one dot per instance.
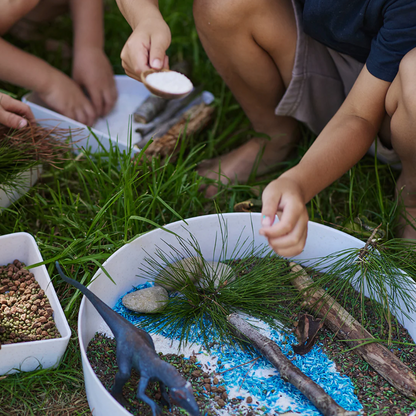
(112, 318)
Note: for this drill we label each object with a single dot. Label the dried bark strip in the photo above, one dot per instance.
(339, 321)
(195, 119)
(288, 371)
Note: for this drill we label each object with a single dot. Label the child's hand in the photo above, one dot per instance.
(14, 113)
(92, 71)
(146, 47)
(284, 197)
(65, 96)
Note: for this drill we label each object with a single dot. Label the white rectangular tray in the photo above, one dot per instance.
(29, 356)
(117, 128)
(27, 179)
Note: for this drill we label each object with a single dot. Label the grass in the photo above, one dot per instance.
(84, 212)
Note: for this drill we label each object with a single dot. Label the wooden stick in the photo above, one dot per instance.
(288, 371)
(149, 109)
(339, 321)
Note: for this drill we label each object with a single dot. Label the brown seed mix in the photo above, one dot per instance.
(25, 312)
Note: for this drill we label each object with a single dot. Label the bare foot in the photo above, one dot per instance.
(257, 156)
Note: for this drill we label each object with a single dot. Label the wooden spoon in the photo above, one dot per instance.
(161, 93)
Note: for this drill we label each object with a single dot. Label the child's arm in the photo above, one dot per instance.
(146, 46)
(91, 68)
(342, 143)
(56, 89)
(14, 113)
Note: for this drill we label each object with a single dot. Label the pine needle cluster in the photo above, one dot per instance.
(384, 273)
(30, 146)
(259, 286)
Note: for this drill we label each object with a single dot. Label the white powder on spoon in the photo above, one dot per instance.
(171, 82)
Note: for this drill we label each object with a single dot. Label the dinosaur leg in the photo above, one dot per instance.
(156, 410)
(165, 396)
(121, 378)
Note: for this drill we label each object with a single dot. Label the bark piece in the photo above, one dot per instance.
(306, 330)
(248, 206)
(339, 321)
(193, 120)
(288, 371)
(164, 121)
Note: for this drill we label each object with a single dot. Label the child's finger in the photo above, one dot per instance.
(110, 98)
(270, 204)
(291, 214)
(85, 114)
(166, 64)
(268, 213)
(16, 106)
(89, 112)
(80, 116)
(135, 57)
(291, 244)
(157, 53)
(132, 74)
(97, 100)
(12, 120)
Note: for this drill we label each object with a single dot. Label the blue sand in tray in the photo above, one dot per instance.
(261, 379)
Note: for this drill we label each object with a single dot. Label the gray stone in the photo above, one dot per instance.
(192, 267)
(150, 300)
(179, 270)
(216, 272)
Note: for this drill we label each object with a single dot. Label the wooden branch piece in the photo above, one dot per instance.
(193, 120)
(288, 371)
(149, 109)
(339, 321)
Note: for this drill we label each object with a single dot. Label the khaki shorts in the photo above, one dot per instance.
(321, 80)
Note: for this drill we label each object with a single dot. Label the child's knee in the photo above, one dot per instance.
(407, 76)
(220, 15)
(402, 92)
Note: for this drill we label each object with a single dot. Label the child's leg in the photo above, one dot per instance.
(401, 107)
(45, 11)
(252, 45)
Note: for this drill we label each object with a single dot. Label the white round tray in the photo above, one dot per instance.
(123, 267)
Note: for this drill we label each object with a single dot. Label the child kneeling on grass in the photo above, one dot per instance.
(91, 69)
(346, 69)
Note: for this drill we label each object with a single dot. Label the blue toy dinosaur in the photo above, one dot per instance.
(135, 349)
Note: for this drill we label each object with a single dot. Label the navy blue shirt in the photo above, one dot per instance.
(376, 32)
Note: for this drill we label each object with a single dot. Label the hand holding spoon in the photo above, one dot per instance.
(166, 84)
